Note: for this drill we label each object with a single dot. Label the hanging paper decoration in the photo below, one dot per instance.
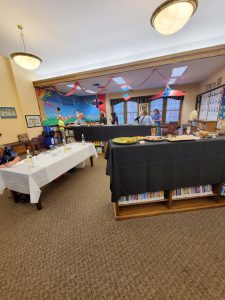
(168, 92)
(126, 97)
(73, 89)
(97, 103)
(125, 87)
(101, 89)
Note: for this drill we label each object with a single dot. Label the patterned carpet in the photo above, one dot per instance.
(74, 249)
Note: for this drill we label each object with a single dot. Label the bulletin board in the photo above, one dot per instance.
(210, 105)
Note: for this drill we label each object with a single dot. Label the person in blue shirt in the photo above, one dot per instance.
(145, 119)
(80, 119)
(8, 157)
(157, 120)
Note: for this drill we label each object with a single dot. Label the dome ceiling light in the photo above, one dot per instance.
(172, 15)
(23, 59)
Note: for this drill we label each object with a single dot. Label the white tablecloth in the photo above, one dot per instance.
(47, 167)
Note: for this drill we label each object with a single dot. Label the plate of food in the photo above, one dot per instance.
(140, 138)
(182, 138)
(125, 140)
(152, 138)
(203, 134)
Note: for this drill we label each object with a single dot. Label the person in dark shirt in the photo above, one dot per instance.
(103, 119)
(8, 157)
(114, 119)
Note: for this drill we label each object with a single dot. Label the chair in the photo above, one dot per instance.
(35, 145)
(41, 140)
(171, 128)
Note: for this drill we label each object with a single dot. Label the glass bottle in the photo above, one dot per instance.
(82, 139)
(29, 159)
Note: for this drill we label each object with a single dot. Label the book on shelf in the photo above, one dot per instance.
(192, 191)
(142, 198)
(223, 190)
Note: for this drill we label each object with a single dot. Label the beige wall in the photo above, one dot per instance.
(17, 90)
(27, 96)
(188, 104)
(9, 128)
(212, 78)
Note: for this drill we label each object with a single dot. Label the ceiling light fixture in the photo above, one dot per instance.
(90, 92)
(172, 15)
(119, 80)
(178, 72)
(23, 59)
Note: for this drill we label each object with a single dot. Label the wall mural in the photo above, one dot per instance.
(49, 100)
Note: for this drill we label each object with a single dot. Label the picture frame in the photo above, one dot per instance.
(33, 121)
(143, 107)
(8, 112)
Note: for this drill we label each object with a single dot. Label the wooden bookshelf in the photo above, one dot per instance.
(175, 198)
(159, 208)
(142, 202)
(169, 204)
(206, 125)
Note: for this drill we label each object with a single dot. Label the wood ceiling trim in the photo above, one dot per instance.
(148, 63)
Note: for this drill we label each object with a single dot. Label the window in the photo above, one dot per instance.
(132, 111)
(169, 108)
(172, 110)
(156, 104)
(119, 110)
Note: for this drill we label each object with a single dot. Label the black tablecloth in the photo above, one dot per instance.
(151, 167)
(104, 133)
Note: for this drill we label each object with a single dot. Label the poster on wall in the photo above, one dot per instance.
(8, 113)
(210, 105)
(33, 121)
(50, 101)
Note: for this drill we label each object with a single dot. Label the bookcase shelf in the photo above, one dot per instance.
(176, 198)
(170, 203)
(142, 202)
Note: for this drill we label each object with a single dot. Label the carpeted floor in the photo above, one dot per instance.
(74, 249)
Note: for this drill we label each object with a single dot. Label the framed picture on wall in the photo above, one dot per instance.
(33, 121)
(142, 107)
(8, 113)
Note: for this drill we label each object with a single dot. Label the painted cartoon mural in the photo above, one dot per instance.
(49, 100)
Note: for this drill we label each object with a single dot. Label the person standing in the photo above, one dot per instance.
(114, 120)
(157, 118)
(58, 111)
(145, 119)
(103, 119)
(62, 127)
(80, 120)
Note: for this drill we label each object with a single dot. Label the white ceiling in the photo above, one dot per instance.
(72, 35)
(197, 71)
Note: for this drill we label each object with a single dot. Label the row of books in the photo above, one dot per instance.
(192, 191)
(139, 198)
(177, 193)
(223, 190)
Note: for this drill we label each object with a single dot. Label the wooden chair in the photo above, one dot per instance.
(41, 140)
(35, 146)
(171, 128)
